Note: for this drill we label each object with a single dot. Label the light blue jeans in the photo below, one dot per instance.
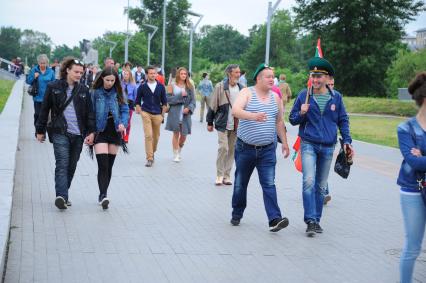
(414, 215)
(316, 162)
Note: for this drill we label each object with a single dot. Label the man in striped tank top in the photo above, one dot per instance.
(319, 113)
(260, 112)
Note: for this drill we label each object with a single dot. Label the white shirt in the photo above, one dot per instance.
(233, 93)
(152, 86)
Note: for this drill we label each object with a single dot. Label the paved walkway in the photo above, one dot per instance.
(170, 223)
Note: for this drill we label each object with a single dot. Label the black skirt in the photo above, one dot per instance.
(109, 135)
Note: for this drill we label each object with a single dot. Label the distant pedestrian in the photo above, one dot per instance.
(220, 116)
(412, 143)
(129, 91)
(205, 88)
(160, 76)
(182, 105)
(243, 80)
(69, 106)
(139, 76)
(285, 89)
(151, 103)
(319, 113)
(261, 118)
(43, 74)
(112, 115)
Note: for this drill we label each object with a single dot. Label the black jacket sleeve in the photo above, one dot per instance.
(46, 105)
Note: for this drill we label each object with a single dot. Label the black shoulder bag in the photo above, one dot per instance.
(420, 176)
(33, 88)
(57, 120)
(342, 166)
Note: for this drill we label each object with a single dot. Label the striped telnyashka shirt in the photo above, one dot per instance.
(259, 133)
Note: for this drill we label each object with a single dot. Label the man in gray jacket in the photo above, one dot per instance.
(220, 115)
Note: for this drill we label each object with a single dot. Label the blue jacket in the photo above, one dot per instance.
(107, 101)
(321, 128)
(408, 139)
(43, 80)
(151, 102)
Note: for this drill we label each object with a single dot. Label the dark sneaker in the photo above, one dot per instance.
(318, 228)
(327, 198)
(104, 203)
(235, 221)
(69, 203)
(60, 203)
(149, 163)
(310, 230)
(278, 224)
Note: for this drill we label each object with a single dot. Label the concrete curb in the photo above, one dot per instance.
(9, 135)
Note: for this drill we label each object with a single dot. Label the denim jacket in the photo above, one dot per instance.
(317, 127)
(408, 139)
(107, 101)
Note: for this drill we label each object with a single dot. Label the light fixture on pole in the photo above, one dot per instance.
(271, 10)
(163, 50)
(114, 44)
(150, 35)
(193, 27)
(126, 47)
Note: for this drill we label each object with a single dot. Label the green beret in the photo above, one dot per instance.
(318, 65)
(259, 69)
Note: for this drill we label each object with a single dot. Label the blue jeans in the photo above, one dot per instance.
(246, 159)
(67, 149)
(414, 215)
(316, 162)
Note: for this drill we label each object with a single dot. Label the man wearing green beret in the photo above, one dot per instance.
(319, 112)
(260, 114)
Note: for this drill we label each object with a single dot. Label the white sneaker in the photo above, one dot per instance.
(176, 156)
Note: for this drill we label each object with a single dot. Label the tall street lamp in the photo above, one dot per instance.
(114, 44)
(163, 50)
(271, 10)
(150, 35)
(193, 27)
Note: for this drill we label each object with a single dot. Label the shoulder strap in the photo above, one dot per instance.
(74, 92)
(227, 98)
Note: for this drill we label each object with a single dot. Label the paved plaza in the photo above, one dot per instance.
(170, 223)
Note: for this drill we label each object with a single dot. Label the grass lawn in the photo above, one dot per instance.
(371, 105)
(376, 130)
(5, 89)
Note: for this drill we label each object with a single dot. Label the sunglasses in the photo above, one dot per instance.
(77, 62)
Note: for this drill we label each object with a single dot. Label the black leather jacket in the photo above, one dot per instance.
(55, 97)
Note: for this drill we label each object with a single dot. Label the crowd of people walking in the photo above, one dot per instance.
(93, 106)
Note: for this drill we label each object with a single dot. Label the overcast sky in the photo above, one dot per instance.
(68, 22)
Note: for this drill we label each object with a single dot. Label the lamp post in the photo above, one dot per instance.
(193, 27)
(163, 50)
(271, 10)
(150, 35)
(114, 44)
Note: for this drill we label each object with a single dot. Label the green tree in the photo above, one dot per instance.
(34, 43)
(62, 51)
(221, 43)
(9, 42)
(137, 47)
(404, 69)
(176, 30)
(360, 38)
(284, 46)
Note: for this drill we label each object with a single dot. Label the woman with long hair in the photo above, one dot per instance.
(182, 104)
(112, 115)
(411, 179)
(130, 91)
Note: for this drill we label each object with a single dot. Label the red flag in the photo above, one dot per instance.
(297, 156)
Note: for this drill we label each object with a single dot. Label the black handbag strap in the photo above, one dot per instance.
(420, 177)
(68, 101)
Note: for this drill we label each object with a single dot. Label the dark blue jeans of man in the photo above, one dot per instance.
(246, 159)
(316, 162)
(67, 149)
